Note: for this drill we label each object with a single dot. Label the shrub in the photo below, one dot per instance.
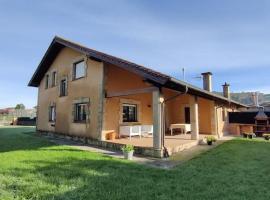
(128, 148)
(211, 138)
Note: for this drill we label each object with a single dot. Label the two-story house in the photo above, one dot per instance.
(86, 93)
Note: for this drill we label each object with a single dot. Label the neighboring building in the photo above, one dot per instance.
(86, 93)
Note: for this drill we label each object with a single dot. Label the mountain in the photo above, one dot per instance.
(246, 97)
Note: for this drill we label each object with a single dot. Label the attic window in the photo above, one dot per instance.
(79, 70)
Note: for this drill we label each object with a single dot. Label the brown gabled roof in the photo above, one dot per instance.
(158, 78)
(58, 43)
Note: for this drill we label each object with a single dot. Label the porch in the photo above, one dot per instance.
(173, 143)
(132, 103)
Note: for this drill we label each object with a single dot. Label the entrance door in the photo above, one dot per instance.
(187, 115)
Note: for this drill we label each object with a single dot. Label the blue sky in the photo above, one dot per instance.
(229, 38)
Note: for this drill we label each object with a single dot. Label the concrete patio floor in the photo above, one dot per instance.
(174, 143)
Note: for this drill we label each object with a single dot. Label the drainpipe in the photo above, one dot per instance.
(163, 117)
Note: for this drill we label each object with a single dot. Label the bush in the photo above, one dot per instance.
(211, 138)
(128, 148)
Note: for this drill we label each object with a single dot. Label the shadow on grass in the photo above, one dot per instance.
(12, 139)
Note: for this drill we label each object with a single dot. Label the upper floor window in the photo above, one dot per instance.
(130, 113)
(80, 112)
(79, 70)
(54, 79)
(46, 81)
(63, 87)
(52, 113)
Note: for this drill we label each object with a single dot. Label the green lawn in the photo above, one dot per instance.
(32, 168)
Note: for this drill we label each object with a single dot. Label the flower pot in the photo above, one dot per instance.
(209, 142)
(266, 137)
(128, 155)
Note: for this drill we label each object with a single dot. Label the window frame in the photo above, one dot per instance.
(77, 117)
(52, 113)
(47, 81)
(74, 69)
(61, 94)
(54, 78)
(133, 119)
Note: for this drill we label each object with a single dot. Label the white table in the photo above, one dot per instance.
(185, 127)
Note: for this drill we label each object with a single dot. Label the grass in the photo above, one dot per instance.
(33, 168)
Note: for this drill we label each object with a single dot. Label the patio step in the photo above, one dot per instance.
(182, 147)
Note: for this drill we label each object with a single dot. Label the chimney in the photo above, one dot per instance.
(255, 98)
(207, 81)
(226, 90)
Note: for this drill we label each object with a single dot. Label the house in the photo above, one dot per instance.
(86, 94)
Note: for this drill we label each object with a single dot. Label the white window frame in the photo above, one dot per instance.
(52, 113)
(75, 77)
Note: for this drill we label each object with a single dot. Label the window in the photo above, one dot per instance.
(78, 70)
(130, 113)
(52, 113)
(53, 79)
(47, 81)
(80, 112)
(63, 87)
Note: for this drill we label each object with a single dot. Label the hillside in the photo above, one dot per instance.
(246, 97)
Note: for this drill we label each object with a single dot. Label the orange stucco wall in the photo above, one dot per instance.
(89, 87)
(117, 79)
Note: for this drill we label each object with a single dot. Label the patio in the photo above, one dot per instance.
(174, 143)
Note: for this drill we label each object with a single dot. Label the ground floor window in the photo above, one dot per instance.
(81, 110)
(52, 113)
(130, 113)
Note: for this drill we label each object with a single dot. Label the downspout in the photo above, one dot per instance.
(163, 118)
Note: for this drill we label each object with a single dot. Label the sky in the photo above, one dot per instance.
(227, 37)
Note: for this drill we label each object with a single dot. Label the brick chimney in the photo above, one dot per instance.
(226, 90)
(207, 81)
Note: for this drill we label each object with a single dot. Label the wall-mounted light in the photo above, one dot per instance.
(161, 99)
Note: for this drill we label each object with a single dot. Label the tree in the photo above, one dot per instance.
(20, 107)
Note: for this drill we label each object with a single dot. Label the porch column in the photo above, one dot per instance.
(157, 123)
(194, 118)
(213, 119)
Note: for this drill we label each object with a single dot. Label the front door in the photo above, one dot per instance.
(187, 115)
